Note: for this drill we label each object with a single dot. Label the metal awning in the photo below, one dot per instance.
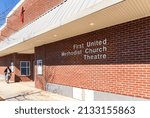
(72, 18)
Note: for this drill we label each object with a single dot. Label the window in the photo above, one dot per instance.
(25, 68)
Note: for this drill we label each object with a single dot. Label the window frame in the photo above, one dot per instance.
(25, 68)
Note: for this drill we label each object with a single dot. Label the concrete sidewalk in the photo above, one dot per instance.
(25, 91)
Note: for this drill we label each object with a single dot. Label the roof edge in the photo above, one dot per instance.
(11, 12)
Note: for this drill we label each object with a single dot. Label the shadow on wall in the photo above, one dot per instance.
(22, 97)
(13, 60)
(17, 78)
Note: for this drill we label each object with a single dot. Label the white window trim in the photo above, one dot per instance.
(29, 68)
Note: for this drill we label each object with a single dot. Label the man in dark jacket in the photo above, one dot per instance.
(7, 72)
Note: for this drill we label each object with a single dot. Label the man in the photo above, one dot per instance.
(7, 74)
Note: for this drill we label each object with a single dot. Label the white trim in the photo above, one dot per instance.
(11, 12)
(25, 67)
(15, 8)
(59, 16)
(3, 25)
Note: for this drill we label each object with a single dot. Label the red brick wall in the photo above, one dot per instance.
(126, 70)
(40, 55)
(6, 61)
(33, 9)
(16, 58)
(23, 57)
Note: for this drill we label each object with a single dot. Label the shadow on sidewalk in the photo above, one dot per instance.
(1, 99)
(21, 97)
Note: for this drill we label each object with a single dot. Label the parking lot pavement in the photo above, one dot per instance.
(25, 91)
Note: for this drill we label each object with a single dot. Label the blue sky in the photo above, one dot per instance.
(5, 7)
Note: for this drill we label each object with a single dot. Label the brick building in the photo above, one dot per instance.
(88, 50)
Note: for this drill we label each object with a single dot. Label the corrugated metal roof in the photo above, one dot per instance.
(67, 12)
(74, 22)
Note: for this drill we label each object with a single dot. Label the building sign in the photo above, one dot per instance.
(12, 66)
(39, 67)
(92, 50)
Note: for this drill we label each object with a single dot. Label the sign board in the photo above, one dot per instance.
(39, 67)
(12, 66)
